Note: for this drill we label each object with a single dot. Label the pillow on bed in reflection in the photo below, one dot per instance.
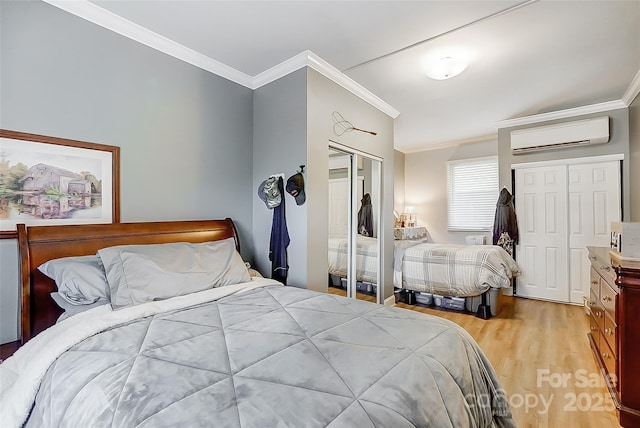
(80, 280)
(71, 310)
(139, 274)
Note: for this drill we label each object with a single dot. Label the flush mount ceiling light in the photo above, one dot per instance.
(446, 68)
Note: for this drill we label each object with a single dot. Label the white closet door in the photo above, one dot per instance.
(594, 202)
(339, 205)
(541, 206)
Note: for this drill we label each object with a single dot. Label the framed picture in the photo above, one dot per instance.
(47, 180)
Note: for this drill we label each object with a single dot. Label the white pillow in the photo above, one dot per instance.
(138, 274)
(80, 279)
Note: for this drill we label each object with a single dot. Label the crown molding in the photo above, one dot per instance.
(104, 18)
(562, 114)
(311, 60)
(632, 91)
(332, 73)
(276, 72)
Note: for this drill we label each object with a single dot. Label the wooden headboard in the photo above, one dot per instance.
(38, 244)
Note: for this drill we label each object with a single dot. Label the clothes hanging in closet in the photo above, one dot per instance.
(365, 216)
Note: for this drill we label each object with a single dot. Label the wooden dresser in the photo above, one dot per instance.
(615, 328)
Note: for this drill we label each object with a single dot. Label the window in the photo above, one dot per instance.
(472, 187)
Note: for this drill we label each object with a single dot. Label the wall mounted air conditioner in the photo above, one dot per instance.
(561, 135)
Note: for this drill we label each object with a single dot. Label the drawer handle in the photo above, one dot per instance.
(605, 268)
(592, 328)
(606, 298)
(605, 355)
(599, 314)
(608, 331)
(594, 258)
(594, 282)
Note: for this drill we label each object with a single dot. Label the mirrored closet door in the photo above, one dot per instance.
(354, 223)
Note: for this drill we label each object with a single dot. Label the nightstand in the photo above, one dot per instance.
(410, 232)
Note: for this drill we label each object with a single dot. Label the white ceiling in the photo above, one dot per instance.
(542, 57)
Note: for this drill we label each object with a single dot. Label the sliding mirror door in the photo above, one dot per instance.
(354, 224)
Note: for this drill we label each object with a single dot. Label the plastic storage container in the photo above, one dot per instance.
(456, 303)
(424, 298)
(492, 299)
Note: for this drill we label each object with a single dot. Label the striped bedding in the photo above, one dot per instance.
(366, 256)
(453, 270)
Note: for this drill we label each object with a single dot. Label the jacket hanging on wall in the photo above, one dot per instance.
(505, 220)
(279, 240)
(365, 216)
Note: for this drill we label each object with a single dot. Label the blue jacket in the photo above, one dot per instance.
(279, 240)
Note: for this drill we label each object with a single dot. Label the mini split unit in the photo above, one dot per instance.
(561, 135)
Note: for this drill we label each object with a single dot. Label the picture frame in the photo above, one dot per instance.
(48, 180)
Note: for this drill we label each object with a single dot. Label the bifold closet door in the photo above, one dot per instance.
(594, 202)
(561, 210)
(541, 207)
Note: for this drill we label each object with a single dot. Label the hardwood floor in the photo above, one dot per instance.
(543, 360)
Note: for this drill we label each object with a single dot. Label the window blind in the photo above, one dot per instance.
(472, 188)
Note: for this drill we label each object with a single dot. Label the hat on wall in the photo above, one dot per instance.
(269, 193)
(295, 186)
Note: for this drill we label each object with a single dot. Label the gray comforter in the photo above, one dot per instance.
(274, 356)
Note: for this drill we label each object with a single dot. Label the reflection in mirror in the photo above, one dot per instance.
(354, 219)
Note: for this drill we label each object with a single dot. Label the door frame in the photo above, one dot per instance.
(569, 161)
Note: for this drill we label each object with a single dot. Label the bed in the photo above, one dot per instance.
(440, 269)
(453, 270)
(366, 256)
(253, 353)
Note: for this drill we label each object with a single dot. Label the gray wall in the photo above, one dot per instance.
(292, 126)
(426, 186)
(280, 147)
(634, 152)
(398, 181)
(325, 97)
(185, 134)
(618, 143)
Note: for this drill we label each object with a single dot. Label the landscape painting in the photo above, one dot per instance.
(47, 180)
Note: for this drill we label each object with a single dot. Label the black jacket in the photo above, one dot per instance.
(365, 216)
(505, 219)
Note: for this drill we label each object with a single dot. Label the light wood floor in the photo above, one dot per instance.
(531, 345)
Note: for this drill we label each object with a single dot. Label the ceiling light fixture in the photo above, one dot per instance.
(446, 68)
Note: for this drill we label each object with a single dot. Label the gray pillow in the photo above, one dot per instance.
(138, 274)
(71, 310)
(80, 280)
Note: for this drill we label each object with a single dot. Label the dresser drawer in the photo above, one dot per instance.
(594, 298)
(609, 359)
(608, 298)
(607, 273)
(594, 330)
(609, 333)
(598, 315)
